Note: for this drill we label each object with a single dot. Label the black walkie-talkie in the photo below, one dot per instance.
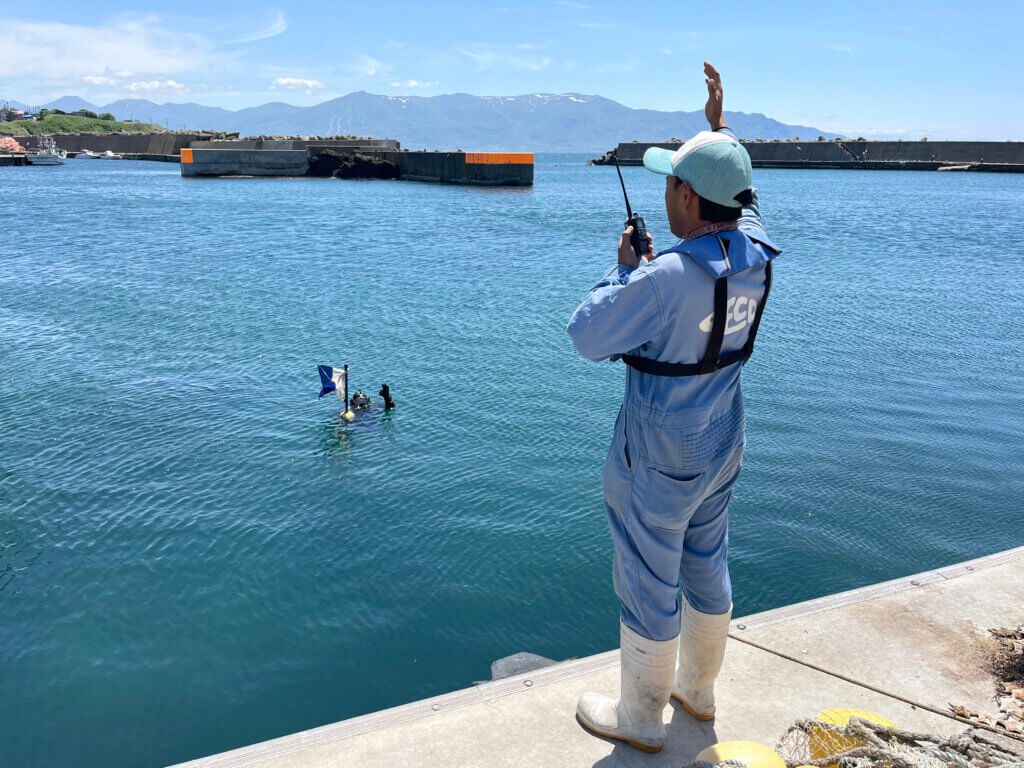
(639, 237)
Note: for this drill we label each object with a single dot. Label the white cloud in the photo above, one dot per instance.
(156, 86)
(296, 83)
(368, 65)
(274, 27)
(614, 67)
(486, 57)
(570, 4)
(838, 47)
(413, 84)
(65, 53)
(98, 80)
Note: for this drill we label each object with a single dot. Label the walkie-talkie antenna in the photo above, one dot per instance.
(629, 211)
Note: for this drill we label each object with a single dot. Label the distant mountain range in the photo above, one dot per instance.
(539, 122)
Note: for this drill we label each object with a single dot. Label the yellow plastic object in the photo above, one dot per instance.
(752, 754)
(826, 741)
(348, 415)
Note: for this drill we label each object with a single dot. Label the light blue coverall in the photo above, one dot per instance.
(678, 442)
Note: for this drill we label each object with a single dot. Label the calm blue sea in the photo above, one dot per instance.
(196, 553)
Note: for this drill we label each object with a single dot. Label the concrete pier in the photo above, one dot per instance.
(120, 143)
(994, 156)
(905, 649)
(473, 168)
(206, 154)
(244, 162)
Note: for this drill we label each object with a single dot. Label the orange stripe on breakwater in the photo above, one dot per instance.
(500, 158)
(186, 155)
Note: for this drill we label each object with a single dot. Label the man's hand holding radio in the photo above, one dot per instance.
(626, 254)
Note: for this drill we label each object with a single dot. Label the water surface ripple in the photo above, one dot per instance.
(196, 554)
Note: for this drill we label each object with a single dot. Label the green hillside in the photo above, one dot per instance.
(73, 124)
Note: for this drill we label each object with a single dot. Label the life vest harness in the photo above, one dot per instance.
(713, 359)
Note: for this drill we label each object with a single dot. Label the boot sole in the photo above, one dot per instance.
(692, 712)
(635, 744)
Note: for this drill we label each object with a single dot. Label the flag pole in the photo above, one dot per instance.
(347, 415)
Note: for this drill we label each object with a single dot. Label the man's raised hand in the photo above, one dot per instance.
(713, 109)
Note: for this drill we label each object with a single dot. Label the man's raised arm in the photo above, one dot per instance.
(751, 216)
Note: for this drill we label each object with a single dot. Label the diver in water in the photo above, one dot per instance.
(359, 401)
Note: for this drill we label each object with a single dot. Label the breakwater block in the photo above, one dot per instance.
(473, 168)
(135, 144)
(244, 162)
(510, 169)
(994, 156)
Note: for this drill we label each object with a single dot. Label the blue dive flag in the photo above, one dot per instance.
(331, 379)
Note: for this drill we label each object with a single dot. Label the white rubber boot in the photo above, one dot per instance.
(646, 682)
(702, 640)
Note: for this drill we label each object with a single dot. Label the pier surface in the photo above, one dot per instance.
(905, 649)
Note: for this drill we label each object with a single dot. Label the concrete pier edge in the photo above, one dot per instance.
(489, 691)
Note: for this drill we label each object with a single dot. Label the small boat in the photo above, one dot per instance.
(88, 153)
(108, 155)
(48, 153)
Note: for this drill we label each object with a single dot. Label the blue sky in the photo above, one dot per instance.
(943, 70)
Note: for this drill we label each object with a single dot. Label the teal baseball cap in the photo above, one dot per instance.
(715, 165)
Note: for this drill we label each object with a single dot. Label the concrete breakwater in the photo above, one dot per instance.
(299, 142)
(996, 156)
(126, 143)
(473, 168)
(225, 154)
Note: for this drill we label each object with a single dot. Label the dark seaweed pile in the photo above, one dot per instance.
(351, 165)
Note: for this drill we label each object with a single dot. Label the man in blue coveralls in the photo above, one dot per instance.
(684, 322)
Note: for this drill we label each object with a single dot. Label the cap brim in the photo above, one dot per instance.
(659, 160)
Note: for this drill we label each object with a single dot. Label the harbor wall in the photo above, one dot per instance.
(121, 143)
(986, 155)
(173, 143)
(244, 162)
(474, 168)
(206, 154)
(480, 168)
(310, 144)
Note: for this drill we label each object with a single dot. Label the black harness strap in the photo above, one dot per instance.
(713, 360)
(748, 348)
(710, 362)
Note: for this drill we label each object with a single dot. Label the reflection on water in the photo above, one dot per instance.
(187, 535)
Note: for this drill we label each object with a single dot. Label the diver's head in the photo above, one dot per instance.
(708, 180)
